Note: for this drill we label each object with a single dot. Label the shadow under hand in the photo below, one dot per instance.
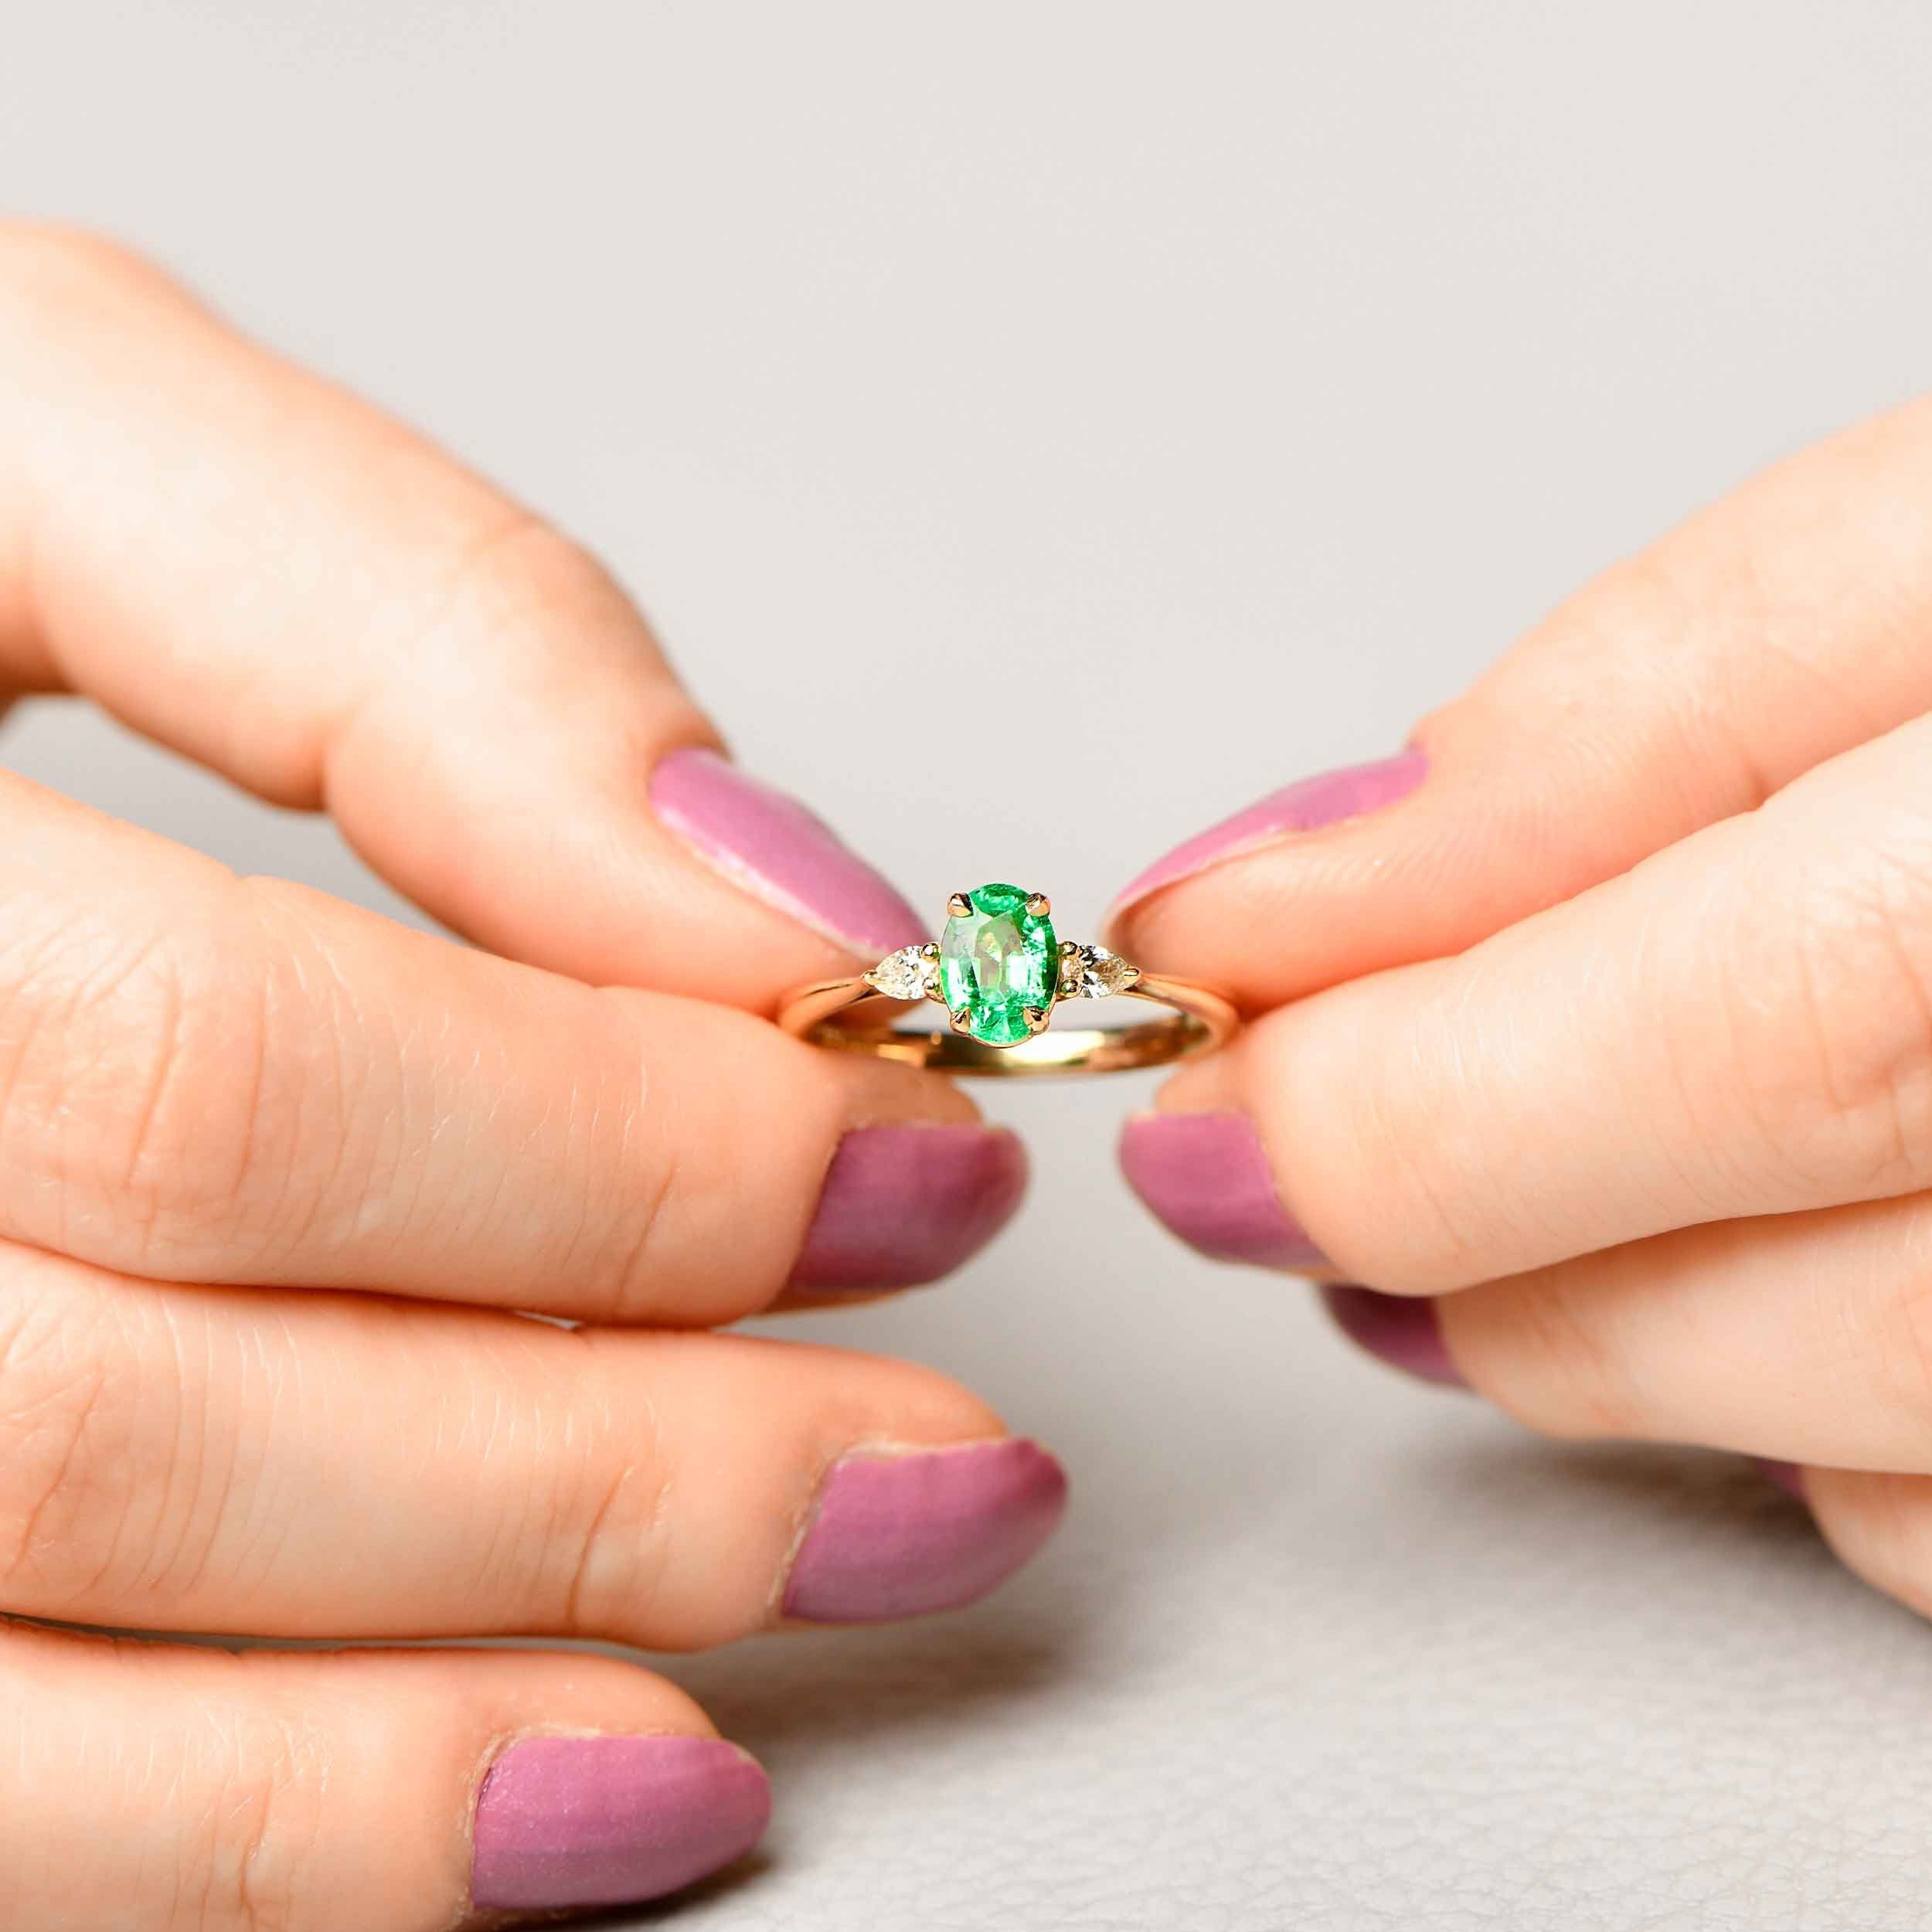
(1722, 1493)
(819, 1696)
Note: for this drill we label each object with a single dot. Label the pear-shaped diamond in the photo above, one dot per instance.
(907, 973)
(1093, 973)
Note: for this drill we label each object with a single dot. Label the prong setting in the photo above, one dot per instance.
(1000, 969)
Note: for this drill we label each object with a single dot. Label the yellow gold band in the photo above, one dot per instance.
(852, 1016)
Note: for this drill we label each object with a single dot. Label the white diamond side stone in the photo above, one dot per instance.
(1096, 973)
(905, 974)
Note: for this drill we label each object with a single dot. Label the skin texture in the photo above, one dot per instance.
(1605, 1048)
(276, 1176)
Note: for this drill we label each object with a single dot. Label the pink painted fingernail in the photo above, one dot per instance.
(1206, 1179)
(1308, 805)
(903, 1205)
(564, 1822)
(1401, 1330)
(1786, 1476)
(902, 1534)
(777, 851)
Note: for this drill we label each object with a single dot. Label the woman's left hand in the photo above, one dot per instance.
(279, 1176)
(1594, 1032)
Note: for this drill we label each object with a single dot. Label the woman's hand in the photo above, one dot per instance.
(1594, 1032)
(224, 1101)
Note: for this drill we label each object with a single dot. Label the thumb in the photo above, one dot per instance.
(1770, 633)
(330, 611)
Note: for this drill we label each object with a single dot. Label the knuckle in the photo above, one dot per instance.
(253, 1819)
(125, 1106)
(575, 1497)
(503, 575)
(49, 271)
(1903, 1360)
(1835, 1064)
(68, 1431)
(1402, 1095)
(638, 1202)
(515, 558)
(608, 1532)
(1597, 659)
(201, 1081)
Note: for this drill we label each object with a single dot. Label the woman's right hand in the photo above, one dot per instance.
(278, 1174)
(1591, 1067)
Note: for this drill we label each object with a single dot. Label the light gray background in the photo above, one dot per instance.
(1133, 356)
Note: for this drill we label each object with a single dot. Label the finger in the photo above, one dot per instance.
(207, 1078)
(174, 1458)
(272, 577)
(1879, 1525)
(1772, 632)
(1738, 1027)
(158, 1788)
(1800, 1337)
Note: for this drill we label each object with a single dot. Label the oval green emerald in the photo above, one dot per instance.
(996, 962)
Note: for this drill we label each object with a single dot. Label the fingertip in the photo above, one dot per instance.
(1403, 1330)
(904, 1204)
(907, 1533)
(570, 1823)
(1204, 1176)
(775, 848)
(1308, 805)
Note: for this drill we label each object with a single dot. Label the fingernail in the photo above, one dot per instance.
(777, 851)
(1308, 805)
(907, 1204)
(899, 1535)
(572, 1821)
(1786, 1476)
(1401, 1330)
(1206, 1179)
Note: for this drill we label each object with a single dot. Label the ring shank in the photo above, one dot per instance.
(849, 1016)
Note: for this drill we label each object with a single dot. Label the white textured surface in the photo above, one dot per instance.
(1315, 350)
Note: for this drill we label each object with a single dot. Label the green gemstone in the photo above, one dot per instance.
(996, 961)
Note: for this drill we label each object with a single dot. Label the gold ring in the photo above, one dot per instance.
(999, 970)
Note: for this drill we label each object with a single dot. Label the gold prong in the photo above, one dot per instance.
(959, 905)
(1069, 947)
(959, 1021)
(1035, 1018)
(929, 949)
(1038, 906)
